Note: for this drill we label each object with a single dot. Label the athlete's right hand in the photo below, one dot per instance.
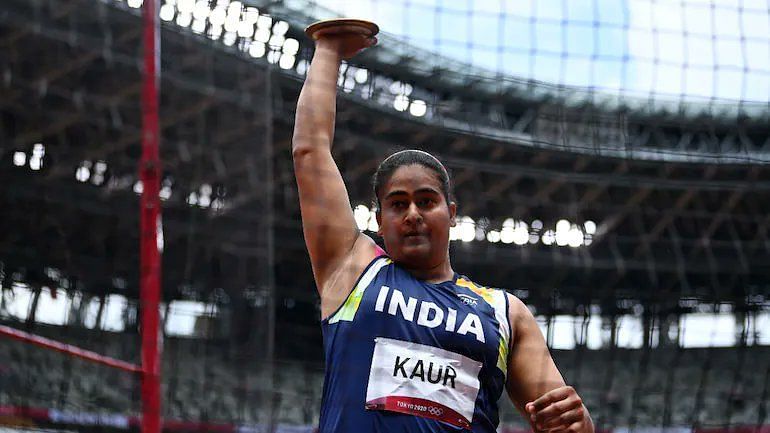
(347, 41)
(560, 411)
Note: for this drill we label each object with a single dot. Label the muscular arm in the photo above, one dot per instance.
(328, 224)
(535, 385)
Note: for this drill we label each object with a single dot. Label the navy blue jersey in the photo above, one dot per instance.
(405, 355)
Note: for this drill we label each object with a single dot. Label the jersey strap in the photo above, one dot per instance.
(496, 298)
(348, 310)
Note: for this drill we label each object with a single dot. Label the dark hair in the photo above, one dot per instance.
(409, 157)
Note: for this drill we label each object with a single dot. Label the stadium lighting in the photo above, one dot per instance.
(98, 176)
(549, 237)
(290, 46)
(506, 234)
(234, 9)
(218, 204)
(562, 226)
(243, 45)
(493, 236)
(236, 23)
(512, 231)
(215, 32)
(575, 237)
(348, 85)
(280, 28)
(167, 12)
(218, 16)
(199, 26)
(361, 75)
(36, 160)
(534, 234)
(302, 66)
(165, 193)
(562, 235)
(184, 19)
(273, 56)
(245, 29)
(201, 10)
(480, 232)
(19, 158)
(287, 61)
(562, 238)
(83, 172)
(399, 88)
(590, 227)
(418, 108)
(264, 22)
(251, 15)
(136, 4)
(373, 226)
(361, 215)
(204, 196)
(138, 187)
(232, 23)
(276, 42)
(262, 35)
(520, 233)
(454, 232)
(257, 49)
(192, 199)
(467, 229)
(229, 39)
(233, 18)
(204, 200)
(401, 103)
(185, 6)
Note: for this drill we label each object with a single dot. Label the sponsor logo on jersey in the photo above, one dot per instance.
(468, 299)
(428, 313)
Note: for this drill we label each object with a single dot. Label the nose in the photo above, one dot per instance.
(413, 215)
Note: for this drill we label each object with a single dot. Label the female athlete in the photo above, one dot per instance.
(410, 345)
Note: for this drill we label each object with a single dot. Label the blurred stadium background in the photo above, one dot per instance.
(611, 167)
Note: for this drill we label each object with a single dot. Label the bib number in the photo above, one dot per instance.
(424, 381)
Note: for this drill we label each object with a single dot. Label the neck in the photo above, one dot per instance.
(436, 274)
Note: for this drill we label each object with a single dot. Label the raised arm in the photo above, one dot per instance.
(330, 230)
(535, 385)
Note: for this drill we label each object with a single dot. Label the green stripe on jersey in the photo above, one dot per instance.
(347, 312)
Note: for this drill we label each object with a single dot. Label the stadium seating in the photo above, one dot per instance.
(203, 382)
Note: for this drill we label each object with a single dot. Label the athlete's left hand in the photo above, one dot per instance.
(560, 410)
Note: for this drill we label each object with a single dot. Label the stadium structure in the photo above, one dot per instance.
(603, 211)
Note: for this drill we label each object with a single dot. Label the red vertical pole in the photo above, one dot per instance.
(150, 222)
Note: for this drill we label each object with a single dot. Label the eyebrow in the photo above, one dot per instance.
(418, 191)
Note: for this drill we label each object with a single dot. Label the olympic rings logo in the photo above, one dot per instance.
(435, 411)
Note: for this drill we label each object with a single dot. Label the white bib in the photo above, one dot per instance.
(423, 380)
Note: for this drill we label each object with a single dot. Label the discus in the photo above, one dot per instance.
(343, 25)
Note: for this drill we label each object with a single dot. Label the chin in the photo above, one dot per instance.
(415, 257)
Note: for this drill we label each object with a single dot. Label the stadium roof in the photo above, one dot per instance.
(434, 70)
(680, 205)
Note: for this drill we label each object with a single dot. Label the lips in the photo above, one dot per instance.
(414, 237)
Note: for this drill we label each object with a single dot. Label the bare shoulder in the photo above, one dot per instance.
(519, 315)
(340, 283)
(516, 308)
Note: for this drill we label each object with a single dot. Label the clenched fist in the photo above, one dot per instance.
(560, 410)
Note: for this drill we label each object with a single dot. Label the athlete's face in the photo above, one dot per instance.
(415, 217)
